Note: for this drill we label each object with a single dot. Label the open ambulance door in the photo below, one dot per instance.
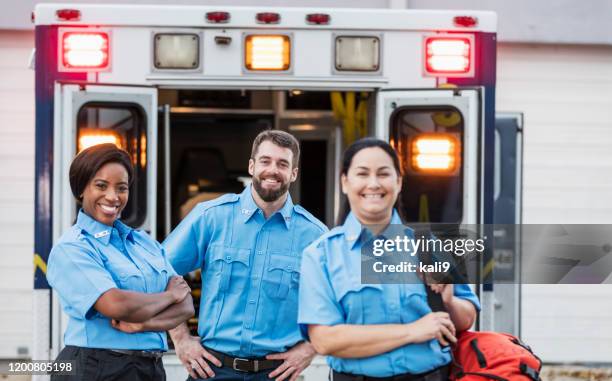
(437, 188)
(86, 115)
(438, 136)
(507, 217)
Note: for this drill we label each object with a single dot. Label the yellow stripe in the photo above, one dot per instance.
(40, 263)
(488, 268)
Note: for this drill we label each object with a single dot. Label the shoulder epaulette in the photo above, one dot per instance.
(303, 212)
(337, 231)
(225, 199)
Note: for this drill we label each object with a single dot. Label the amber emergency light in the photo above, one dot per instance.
(267, 52)
(89, 137)
(435, 153)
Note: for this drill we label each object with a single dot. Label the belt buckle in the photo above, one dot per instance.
(238, 360)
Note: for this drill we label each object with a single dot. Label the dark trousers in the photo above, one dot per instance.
(101, 364)
(229, 374)
(439, 374)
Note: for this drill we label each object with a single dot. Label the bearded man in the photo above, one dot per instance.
(249, 247)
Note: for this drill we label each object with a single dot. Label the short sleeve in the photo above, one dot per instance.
(317, 302)
(188, 242)
(464, 291)
(77, 274)
(171, 271)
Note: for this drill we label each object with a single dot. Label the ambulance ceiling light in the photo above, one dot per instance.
(68, 14)
(268, 18)
(267, 52)
(86, 50)
(357, 53)
(218, 17)
(176, 51)
(447, 55)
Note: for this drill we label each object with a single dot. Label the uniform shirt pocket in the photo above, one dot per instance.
(231, 266)
(362, 303)
(281, 276)
(128, 277)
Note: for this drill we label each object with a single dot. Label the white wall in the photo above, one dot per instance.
(565, 93)
(16, 192)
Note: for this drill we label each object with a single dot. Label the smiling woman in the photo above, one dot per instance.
(114, 283)
(103, 195)
(381, 331)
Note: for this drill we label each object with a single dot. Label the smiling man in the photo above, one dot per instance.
(249, 248)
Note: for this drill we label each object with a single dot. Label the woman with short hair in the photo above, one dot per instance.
(114, 283)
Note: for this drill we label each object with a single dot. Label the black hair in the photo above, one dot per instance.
(347, 159)
(89, 161)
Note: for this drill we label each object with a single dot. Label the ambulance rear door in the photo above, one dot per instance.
(439, 187)
(87, 115)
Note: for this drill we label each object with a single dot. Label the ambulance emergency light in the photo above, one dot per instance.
(435, 153)
(84, 50)
(89, 137)
(176, 51)
(449, 56)
(357, 53)
(267, 52)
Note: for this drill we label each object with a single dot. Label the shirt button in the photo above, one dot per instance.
(247, 326)
(289, 268)
(229, 258)
(393, 306)
(259, 251)
(251, 301)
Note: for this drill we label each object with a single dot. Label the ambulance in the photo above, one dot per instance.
(185, 89)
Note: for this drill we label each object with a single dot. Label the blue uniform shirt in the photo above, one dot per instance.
(250, 271)
(90, 259)
(331, 293)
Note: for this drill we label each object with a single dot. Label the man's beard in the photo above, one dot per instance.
(269, 195)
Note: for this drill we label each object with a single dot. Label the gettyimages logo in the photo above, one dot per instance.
(528, 254)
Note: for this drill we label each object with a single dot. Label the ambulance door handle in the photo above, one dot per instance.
(167, 208)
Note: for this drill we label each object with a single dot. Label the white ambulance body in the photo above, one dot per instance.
(184, 89)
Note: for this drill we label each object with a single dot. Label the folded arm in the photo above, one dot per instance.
(130, 306)
(166, 320)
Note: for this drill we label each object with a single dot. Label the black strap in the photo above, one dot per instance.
(433, 299)
(482, 361)
(529, 372)
(484, 375)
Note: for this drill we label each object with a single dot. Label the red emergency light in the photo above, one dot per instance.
(68, 14)
(448, 55)
(85, 50)
(268, 18)
(218, 17)
(318, 18)
(465, 21)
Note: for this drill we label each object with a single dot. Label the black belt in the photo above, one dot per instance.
(147, 354)
(252, 365)
(438, 374)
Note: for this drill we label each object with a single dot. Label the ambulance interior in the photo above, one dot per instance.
(211, 134)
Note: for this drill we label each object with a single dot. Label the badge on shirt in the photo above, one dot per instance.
(102, 234)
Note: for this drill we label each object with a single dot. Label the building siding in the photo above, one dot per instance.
(16, 192)
(565, 93)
